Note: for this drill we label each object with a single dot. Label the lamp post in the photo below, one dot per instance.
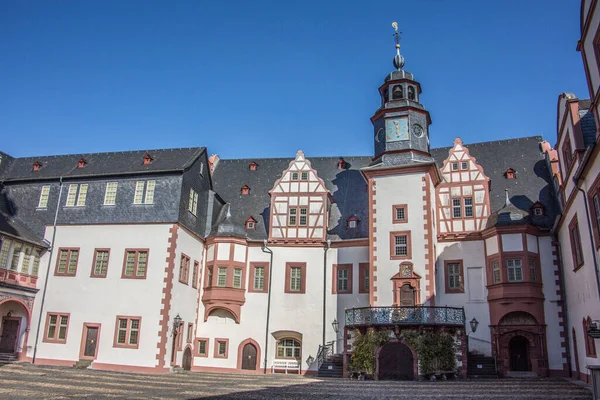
(336, 326)
(474, 324)
(176, 323)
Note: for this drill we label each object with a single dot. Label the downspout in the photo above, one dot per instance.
(265, 249)
(327, 245)
(37, 335)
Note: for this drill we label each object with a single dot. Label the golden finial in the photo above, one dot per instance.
(398, 60)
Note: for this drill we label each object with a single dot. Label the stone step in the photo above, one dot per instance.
(8, 357)
(82, 364)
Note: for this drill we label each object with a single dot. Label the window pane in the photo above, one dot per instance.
(43, 203)
(237, 278)
(62, 261)
(110, 196)
(222, 277)
(130, 263)
(16, 255)
(71, 195)
(51, 331)
(82, 194)
(259, 278)
(139, 192)
(202, 347)
(6, 243)
(142, 263)
(149, 199)
(72, 268)
(400, 213)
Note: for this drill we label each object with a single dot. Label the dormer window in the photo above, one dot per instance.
(245, 189)
(397, 92)
(537, 209)
(341, 163)
(464, 165)
(37, 165)
(147, 159)
(304, 176)
(454, 166)
(411, 93)
(250, 224)
(81, 163)
(294, 176)
(510, 174)
(352, 222)
(252, 166)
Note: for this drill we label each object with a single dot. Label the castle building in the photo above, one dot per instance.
(150, 260)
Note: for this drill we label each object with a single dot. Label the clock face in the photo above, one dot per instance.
(380, 135)
(418, 130)
(396, 129)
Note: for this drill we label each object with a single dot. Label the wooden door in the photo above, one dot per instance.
(249, 357)
(10, 333)
(407, 295)
(519, 354)
(396, 362)
(91, 342)
(187, 359)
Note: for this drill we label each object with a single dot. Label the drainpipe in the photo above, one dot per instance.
(37, 335)
(265, 249)
(327, 245)
(590, 232)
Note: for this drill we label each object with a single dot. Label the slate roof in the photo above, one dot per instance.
(102, 164)
(14, 228)
(349, 190)
(588, 123)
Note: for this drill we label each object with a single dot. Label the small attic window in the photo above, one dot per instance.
(252, 166)
(454, 166)
(352, 222)
(510, 174)
(538, 209)
(250, 224)
(147, 159)
(245, 189)
(341, 163)
(81, 163)
(37, 165)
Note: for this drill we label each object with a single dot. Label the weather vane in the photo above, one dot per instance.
(398, 59)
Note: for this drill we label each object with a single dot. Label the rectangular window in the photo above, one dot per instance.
(468, 206)
(76, 195)
(193, 203)
(237, 278)
(14, 263)
(100, 263)
(222, 277)
(35, 266)
(596, 204)
(26, 260)
(456, 212)
(399, 213)
(364, 278)
(221, 348)
(195, 274)
(184, 269)
(304, 176)
(295, 278)
(292, 216)
(135, 264)
(464, 165)
(144, 192)
(303, 216)
(72, 195)
(203, 347)
(56, 328)
(400, 245)
(127, 332)
(259, 278)
(567, 154)
(576, 243)
(496, 271)
(6, 243)
(66, 263)
(515, 271)
(342, 278)
(532, 277)
(455, 166)
(110, 195)
(294, 176)
(190, 331)
(209, 277)
(453, 274)
(44, 195)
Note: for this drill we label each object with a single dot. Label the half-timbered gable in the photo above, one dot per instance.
(299, 204)
(463, 195)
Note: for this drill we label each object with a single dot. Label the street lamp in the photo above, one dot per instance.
(336, 326)
(176, 321)
(474, 324)
(310, 360)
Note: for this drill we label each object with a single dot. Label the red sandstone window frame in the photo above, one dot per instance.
(127, 344)
(184, 269)
(575, 238)
(363, 272)
(335, 284)
(135, 265)
(288, 272)
(190, 332)
(216, 348)
(68, 250)
(393, 236)
(253, 266)
(195, 274)
(395, 217)
(206, 342)
(54, 338)
(590, 344)
(93, 273)
(461, 276)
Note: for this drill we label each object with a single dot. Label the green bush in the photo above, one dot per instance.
(435, 350)
(364, 347)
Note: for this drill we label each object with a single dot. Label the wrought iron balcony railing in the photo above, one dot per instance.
(418, 315)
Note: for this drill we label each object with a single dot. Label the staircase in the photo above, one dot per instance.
(332, 367)
(480, 366)
(82, 364)
(7, 358)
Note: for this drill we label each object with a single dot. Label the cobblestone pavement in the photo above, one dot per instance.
(24, 381)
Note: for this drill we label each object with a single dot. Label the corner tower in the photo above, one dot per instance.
(401, 124)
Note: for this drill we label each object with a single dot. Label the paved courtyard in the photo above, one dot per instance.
(22, 381)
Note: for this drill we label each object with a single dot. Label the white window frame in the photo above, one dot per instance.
(259, 278)
(456, 208)
(295, 279)
(468, 207)
(44, 196)
(222, 274)
(238, 274)
(144, 192)
(454, 281)
(514, 267)
(76, 195)
(110, 193)
(193, 202)
(343, 277)
(496, 276)
(399, 246)
(5, 252)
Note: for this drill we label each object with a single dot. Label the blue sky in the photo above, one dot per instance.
(265, 78)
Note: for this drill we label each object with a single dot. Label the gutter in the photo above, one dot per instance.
(266, 249)
(327, 246)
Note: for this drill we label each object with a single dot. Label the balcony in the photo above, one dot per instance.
(405, 316)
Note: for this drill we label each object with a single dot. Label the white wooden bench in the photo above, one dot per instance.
(287, 365)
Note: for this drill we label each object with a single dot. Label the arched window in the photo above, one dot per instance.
(411, 92)
(289, 348)
(397, 92)
(407, 295)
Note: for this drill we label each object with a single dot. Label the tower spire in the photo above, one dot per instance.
(398, 59)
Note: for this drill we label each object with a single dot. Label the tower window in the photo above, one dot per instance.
(411, 92)
(397, 92)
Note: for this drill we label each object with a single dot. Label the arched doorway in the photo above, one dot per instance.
(395, 360)
(14, 323)
(187, 359)
(519, 354)
(249, 354)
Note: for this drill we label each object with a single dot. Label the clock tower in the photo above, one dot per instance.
(401, 124)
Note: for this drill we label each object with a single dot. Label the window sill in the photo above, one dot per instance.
(126, 346)
(133, 277)
(41, 209)
(67, 275)
(55, 341)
